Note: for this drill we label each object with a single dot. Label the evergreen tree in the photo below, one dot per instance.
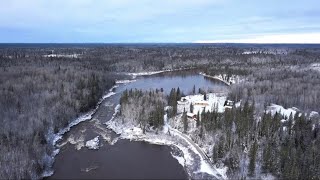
(198, 119)
(252, 157)
(178, 96)
(185, 121)
(172, 101)
(221, 148)
(215, 153)
(266, 163)
(194, 90)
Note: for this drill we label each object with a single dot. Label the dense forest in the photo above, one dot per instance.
(38, 97)
(254, 146)
(43, 88)
(145, 109)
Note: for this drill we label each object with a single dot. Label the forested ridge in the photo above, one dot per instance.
(41, 94)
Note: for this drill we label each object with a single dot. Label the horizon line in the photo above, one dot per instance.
(317, 43)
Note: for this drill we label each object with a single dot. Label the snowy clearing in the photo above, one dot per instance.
(273, 108)
(215, 101)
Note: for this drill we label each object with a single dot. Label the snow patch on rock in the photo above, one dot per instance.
(93, 143)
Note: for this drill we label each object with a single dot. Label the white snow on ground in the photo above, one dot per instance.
(251, 52)
(205, 167)
(238, 104)
(108, 95)
(314, 113)
(116, 110)
(222, 77)
(205, 145)
(63, 55)
(93, 143)
(315, 66)
(273, 108)
(78, 142)
(283, 120)
(166, 126)
(54, 138)
(215, 77)
(179, 159)
(170, 137)
(125, 81)
(215, 102)
(147, 73)
(268, 177)
(82, 118)
(47, 173)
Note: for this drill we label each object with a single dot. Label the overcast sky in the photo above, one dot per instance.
(131, 21)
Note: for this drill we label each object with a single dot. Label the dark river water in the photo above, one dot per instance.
(125, 159)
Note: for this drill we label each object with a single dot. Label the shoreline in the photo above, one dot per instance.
(214, 77)
(148, 73)
(55, 137)
(87, 116)
(193, 162)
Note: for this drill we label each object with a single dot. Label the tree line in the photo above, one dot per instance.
(145, 109)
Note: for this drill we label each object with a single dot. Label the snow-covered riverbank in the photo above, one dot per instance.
(54, 138)
(192, 160)
(233, 79)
